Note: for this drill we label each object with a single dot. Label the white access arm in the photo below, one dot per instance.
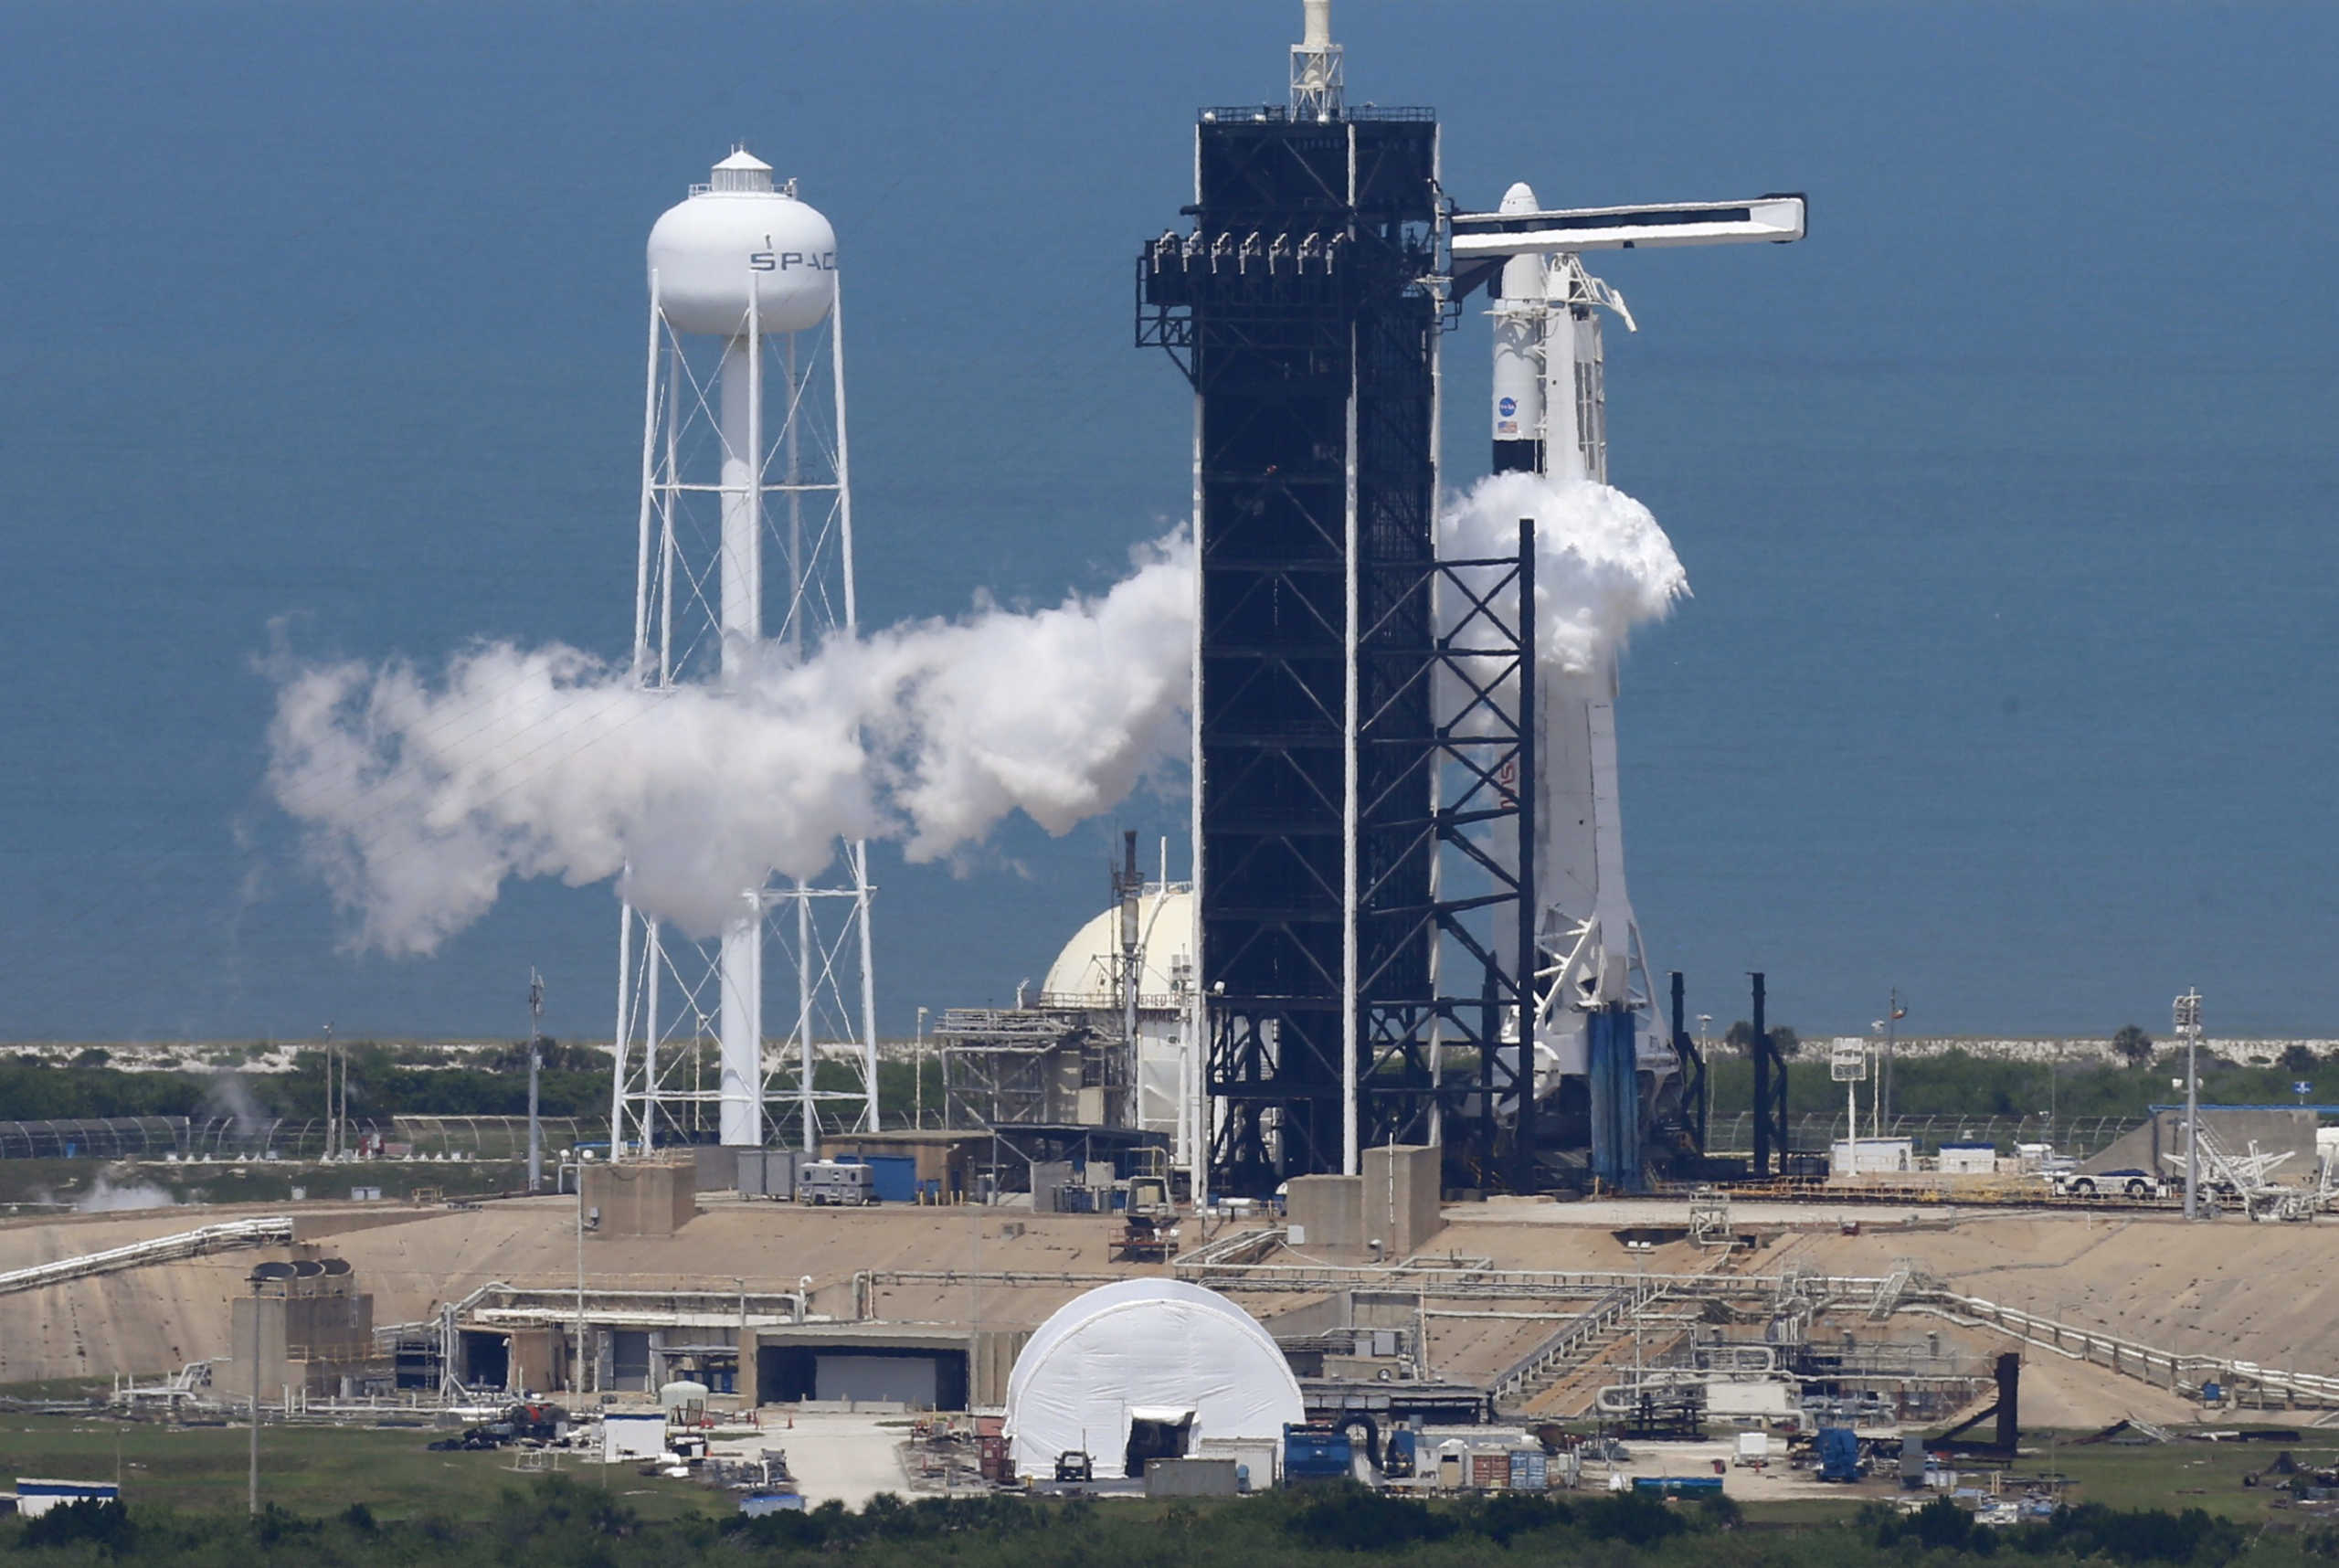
(1772, 220)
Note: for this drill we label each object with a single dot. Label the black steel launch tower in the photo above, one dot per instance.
(1304, 307)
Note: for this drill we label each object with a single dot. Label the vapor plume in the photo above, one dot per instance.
(421, 795)
(1602, 566)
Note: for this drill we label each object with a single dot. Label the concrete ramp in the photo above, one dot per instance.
(2274, 1128)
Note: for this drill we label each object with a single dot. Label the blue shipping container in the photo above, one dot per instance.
(1529, 1469)
(894, 1176)
(1678, 1486)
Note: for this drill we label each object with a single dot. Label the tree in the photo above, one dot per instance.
(2133, 1045)
(2299, 1058)
(1740, 1039)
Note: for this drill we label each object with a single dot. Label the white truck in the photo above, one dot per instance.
(2129, 1182)
(835, 1181)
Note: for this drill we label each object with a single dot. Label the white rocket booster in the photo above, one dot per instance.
(1547, 418)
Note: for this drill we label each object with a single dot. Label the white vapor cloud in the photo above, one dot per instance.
(420, 796)
(1602, 566)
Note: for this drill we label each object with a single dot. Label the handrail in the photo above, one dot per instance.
(274, 1230)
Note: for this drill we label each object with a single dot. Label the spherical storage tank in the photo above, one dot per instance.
(1186, 1363)
(736, 238)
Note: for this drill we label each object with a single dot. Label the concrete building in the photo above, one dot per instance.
(641, 1197)
(1390, 1210)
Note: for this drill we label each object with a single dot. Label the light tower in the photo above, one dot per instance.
(745, 487)
(1595, 1003)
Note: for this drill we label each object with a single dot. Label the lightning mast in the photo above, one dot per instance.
(744, 467)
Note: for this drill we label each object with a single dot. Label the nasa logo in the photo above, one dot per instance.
(1507, 406)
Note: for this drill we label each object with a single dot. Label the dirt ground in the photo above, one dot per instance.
(834, 1457)
(2247, 1290)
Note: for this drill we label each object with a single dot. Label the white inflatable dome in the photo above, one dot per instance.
(1159, 1350)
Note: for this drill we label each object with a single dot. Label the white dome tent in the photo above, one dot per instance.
(1167, 1363)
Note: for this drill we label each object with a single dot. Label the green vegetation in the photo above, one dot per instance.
(309, 1472)
(384, 1081)
(558, 1521)
(338, 1497)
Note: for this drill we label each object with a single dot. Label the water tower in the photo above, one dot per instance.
(745, 502)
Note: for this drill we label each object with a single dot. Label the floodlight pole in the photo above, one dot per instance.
(575, 1167)
(333, 1116)
(536, 1071)
(917, 1074)
(2188, 1023)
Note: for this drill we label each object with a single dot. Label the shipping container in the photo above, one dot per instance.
(1678, 1486)
(1490, 1471)
(766, 1173)
(895, 1176)
(1529, 1470)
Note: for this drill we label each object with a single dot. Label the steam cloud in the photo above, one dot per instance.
(1602, 566)
(105, 1198)
(421, 797)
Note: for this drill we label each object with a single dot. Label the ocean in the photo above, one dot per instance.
(2006, 498)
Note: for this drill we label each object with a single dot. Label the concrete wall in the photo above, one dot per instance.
(1402, 1205)
(308, 1341)
(642, 1198)
(535, 1360)
(2274, 1129)
(1326, 1211)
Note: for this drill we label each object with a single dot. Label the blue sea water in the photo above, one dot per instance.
(2006, 497)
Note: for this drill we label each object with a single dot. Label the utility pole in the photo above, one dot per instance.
(536, 1071)
(580, 1378)
(251, 1496)
(333, 1118)
(1706, 1050)
(2188, 1024)
(1894, 1014)
(918, 1073)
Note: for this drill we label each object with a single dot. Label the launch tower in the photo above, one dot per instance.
(1303, 307)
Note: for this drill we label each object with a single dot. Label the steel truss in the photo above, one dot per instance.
(1305, 309)
(788, 464)
(1480, 668)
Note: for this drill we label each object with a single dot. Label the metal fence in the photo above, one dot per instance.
(2077, 1136)
(94, 1137)
(288, 1137)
